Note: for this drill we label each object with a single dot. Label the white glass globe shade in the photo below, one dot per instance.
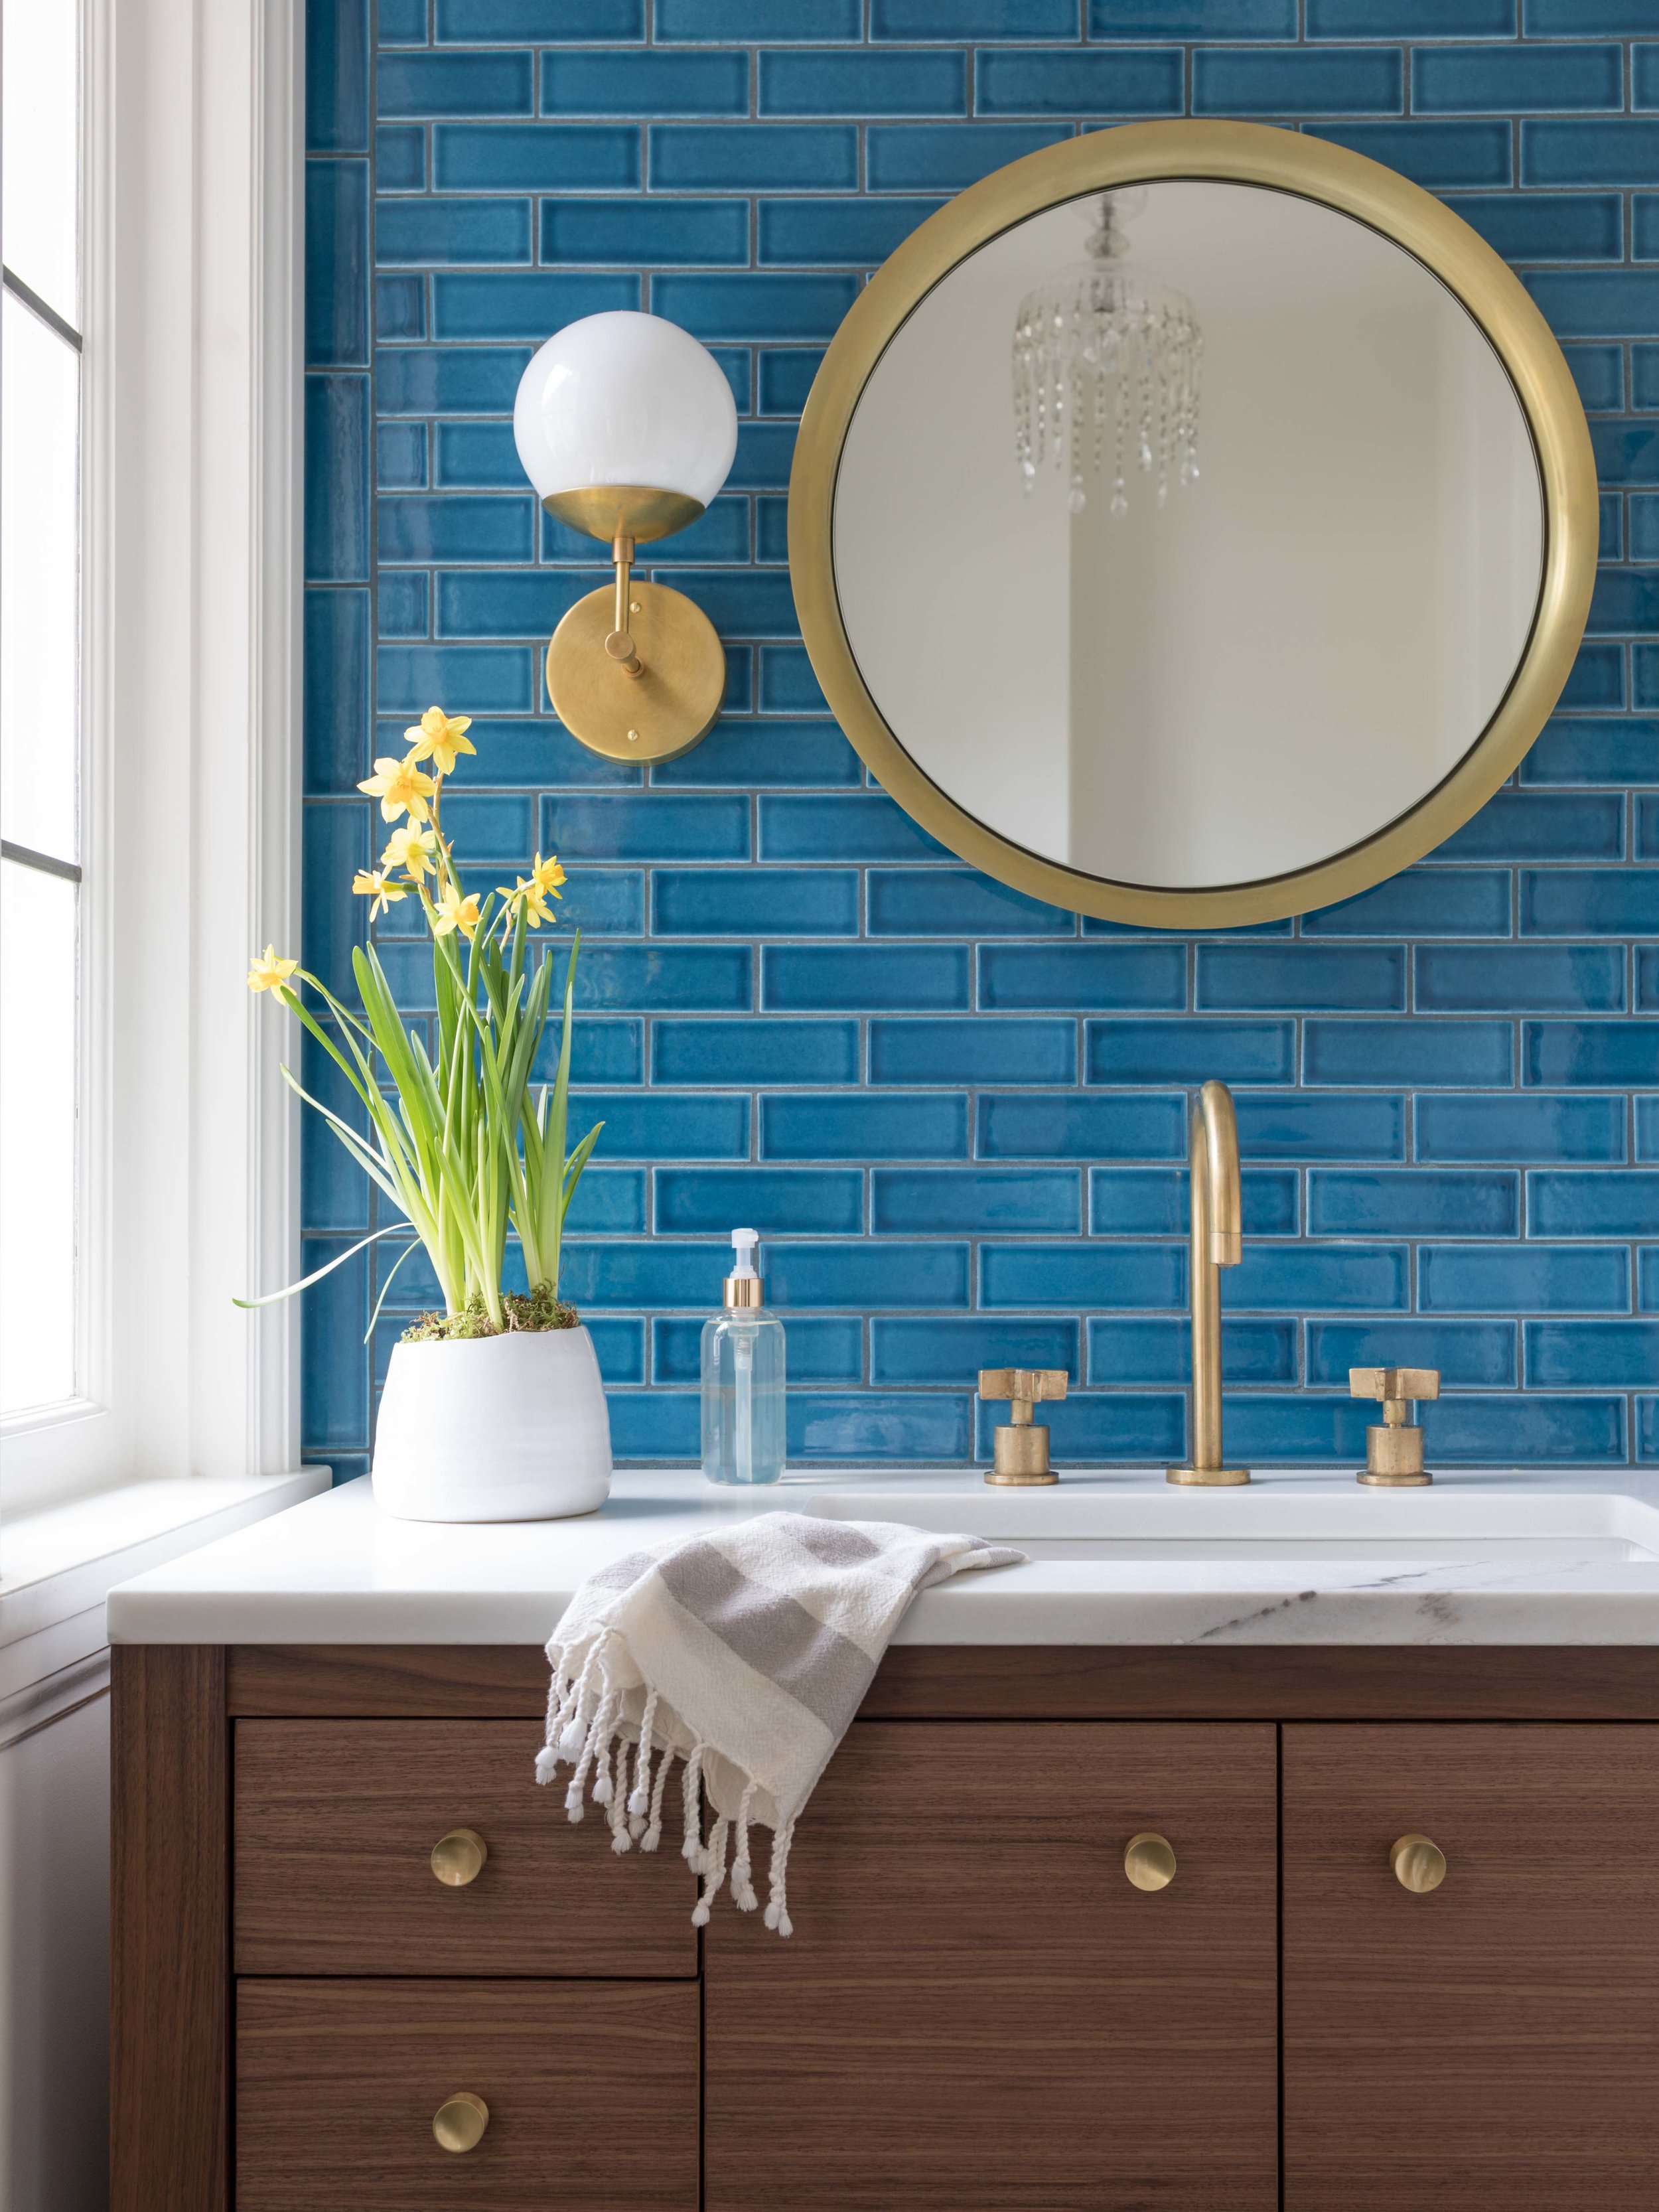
(625, 398)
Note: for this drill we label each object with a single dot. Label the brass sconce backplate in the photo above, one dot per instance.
(654, 715)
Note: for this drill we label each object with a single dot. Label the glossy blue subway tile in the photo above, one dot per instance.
(1647, 1128)
(827, 977)
(1519, 979)
(788, 686)
(1439, 1054)
(906, 157)
(337, 77)
(1599, 373)
(1626, 602)
(1547, 226)
(1582, 153)
(1299, 1279)
(987, 1049)
(335, 1192)
(604, 1050)
(332, 922)
(957, 902)
(949, 20)
(952, 1348)
(679, 978)
(863, 84)
(647, 826)
(656, 1125)
(823, 1348)
(1015, 977)
(532, 22)
(1577, 1355)
(964, 1201)
(1410, 19)
(1593, 1202)
(1121, 1425)
(900, 1426)
(1154, 1201)
(1594, 749)
(753, 157)
(1358, 81)
(1189, 19)
(528, 304)
(515, 750)
(646, 1275)
(337, 471)
(635, 82)
(1036, 1125)
(1587, 19)
(1626, 454)
(1625, 1052)
(448, 380)
(454, 527)
(865, 1126)
(535, 157)
(871, 1275)
(494, 825)
(754, 901)
(754, 755)
(1645, 74)
(1597, 677)
(755, 23)
(1526, 1429)
(765, 454)
(859, 233)
(1598, 303)
(402, 22)
(772, 530)
(477, 678)
(654, 1425)
(1166, 1051)
(754, 305)
(333, 1360)
(743, 602)
(1110, 1276)
(1413, 1202)
(778, 1201)
(1441, 156)
(1647, 978)
(1647, 826)
(1468, 80)
(337, 264)
(865, 826)
(646, 232)
(1522, 1279)
(430, 233)
(1240, 978)
(600, 902)
(1470, 1355)
(1512, 1128)
(400, 456)
(1589, 901)
(608, 1202)
(1276, 1430)
(526, 603)
(335, 651)
(1643, 508)
(765, 1051)
(1646, 1414)
(1610, 535)
(619, 1344)
(1541, 825)
(1152, 1350)
(1060, 81)
(416, 85)
(784, 376)
(1303, 1126)
(1421, 901)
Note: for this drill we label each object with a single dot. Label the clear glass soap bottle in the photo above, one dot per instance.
(743, 1385)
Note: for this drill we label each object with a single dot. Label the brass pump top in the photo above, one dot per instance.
(745, 1290)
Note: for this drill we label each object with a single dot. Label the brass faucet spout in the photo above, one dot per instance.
(1217, 1241)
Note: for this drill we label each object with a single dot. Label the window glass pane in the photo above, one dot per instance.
(39, 584)
(38, 1032)
(40, 207)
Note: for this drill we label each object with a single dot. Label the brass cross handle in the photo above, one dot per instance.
(457, 1858)
(1025, 1387)
(1394, 1447)
(1021, 1445)
(459, 2122)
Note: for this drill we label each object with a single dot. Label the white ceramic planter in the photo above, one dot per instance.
(494, 1428)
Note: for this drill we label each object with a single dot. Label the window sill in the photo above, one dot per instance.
(59, 1565)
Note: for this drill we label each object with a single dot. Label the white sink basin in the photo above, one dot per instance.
(1136, 1516)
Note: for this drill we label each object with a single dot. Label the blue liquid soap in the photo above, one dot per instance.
(743, 1379)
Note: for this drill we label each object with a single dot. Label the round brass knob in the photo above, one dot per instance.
(457, 1858)
(1419, 1864)
(1149, 1861)
(460, 2121)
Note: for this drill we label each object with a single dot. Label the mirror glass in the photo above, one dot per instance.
(1187, 535)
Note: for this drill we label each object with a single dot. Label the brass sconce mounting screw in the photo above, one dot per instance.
(1394, 1448)
(1021, 1445)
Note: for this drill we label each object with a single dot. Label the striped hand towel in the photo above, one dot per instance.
(745, 1654)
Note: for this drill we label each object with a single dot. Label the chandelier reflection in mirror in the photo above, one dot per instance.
(1101, 352)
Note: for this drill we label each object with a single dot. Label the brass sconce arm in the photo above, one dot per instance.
(620, 643)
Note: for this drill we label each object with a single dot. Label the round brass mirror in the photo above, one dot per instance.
(1193, 524)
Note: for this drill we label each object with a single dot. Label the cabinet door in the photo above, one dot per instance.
(1492, 2044)
(978, 2010)
(589, 2091)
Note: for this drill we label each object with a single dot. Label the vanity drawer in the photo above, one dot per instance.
(590, 2088)
(334, 1826)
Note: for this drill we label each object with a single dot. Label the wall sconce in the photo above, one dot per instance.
(626, 427)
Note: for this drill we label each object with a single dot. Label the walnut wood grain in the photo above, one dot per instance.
(592, 2090)
(1037, 1682)
(335, 1825)
(977, 2011)
(1492, 2046)
(170, 1950)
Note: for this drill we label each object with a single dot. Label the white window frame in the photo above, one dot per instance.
(192, 365)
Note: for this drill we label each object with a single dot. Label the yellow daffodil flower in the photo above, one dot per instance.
(455, 912)
(400, 788)
(267, 973)
(527, 896)
(411, 849)
(371, 883)
(546, 875)
(438, 737)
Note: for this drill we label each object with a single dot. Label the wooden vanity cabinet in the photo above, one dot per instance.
(978, 2012)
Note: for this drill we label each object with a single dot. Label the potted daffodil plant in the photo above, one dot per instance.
(493, 1409)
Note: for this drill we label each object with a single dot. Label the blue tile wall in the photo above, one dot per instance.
(958, 1114)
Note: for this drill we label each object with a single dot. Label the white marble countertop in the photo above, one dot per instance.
(1117, 1556)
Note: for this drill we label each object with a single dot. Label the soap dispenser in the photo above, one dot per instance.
(743, 1389)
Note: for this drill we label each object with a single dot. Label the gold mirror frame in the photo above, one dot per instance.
(1232, 152)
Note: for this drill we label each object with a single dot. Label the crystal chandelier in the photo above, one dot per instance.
(1103, 353)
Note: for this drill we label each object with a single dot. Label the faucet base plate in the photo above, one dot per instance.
(1209, 1478)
